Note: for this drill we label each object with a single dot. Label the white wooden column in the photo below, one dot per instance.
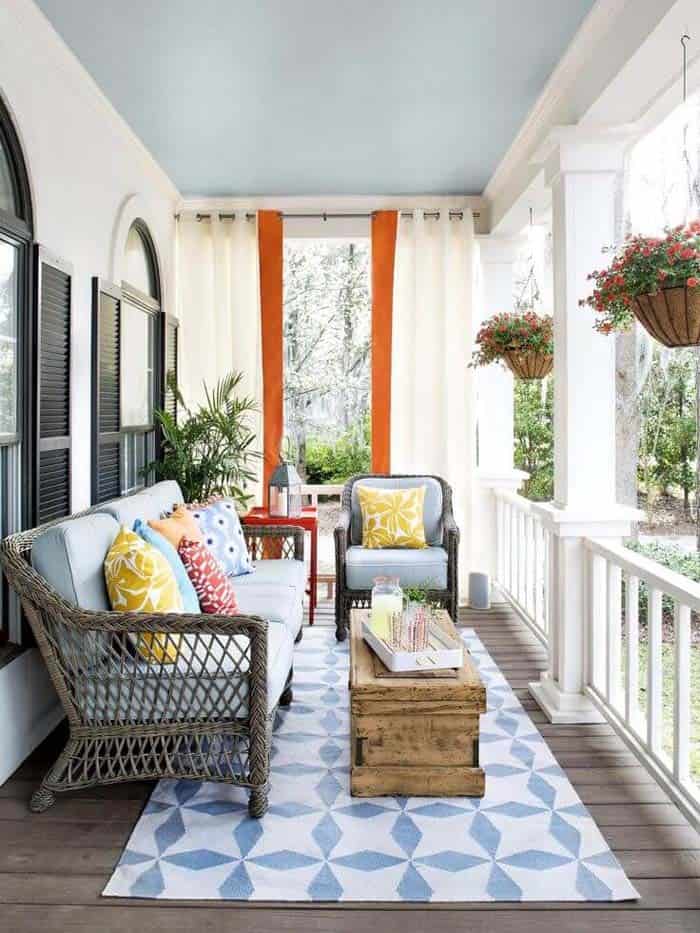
(583, 171)
(494, 389)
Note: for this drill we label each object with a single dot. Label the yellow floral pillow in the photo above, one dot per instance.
(140, 579)
(392, 517)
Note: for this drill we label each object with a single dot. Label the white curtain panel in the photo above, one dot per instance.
(432, 405)
(218, 284)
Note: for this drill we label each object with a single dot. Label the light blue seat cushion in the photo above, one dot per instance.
(152, 502)
(223, 535)
(70, 556)
(184, 584)
(432, 506)
(414, 567)
(211, 684)
(283, 572)
(276, 602)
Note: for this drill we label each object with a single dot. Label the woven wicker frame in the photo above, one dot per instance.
(171, 721)
(347, 599)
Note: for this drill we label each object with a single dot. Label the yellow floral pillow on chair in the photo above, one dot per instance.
(140, 579)
(392, 517)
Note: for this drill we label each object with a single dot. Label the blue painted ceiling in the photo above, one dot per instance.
(313, 97)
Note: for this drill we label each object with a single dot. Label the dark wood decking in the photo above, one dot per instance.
(54, 865)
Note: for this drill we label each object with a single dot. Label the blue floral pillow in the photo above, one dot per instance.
(223, 535)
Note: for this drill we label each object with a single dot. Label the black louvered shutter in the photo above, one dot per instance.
(53, 462)
(170, 359)
(106, 400)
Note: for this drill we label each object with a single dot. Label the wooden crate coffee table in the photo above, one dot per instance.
(413, 735)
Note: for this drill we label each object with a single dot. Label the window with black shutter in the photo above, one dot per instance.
(17, 363)
(131, 344)
(52, 497)
(170, 357)
(106, 410)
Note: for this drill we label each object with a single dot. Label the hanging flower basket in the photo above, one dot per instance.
(655, 280)
(521, 340)
(671, 315)
(528, 364)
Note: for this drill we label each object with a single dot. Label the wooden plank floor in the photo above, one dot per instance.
(54, 865)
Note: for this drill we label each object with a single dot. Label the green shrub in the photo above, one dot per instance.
(672, 557)
(335, 461)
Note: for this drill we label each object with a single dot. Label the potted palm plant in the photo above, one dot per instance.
(522, 340)
(209, 451)
(655, 280)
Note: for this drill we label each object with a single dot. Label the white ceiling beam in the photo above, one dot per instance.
(610, 37)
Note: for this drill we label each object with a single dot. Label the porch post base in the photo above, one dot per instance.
(563, 708)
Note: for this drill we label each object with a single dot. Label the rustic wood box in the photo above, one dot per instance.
(413, 735)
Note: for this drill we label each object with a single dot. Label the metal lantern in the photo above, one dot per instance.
(284, 491)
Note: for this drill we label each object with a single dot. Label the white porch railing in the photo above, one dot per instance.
(627, 678)
(523, 555)
(314, 490)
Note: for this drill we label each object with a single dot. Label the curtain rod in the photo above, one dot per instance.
(324, 215)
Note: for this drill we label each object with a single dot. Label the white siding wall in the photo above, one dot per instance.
(90, 177)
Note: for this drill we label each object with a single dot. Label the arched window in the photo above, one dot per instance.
(140, 261)
(15, 330)
(129, 337)
(141, 355)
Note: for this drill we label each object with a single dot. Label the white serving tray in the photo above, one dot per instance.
(443, 653)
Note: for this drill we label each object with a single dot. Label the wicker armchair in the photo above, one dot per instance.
(205, 717)
(348, 536)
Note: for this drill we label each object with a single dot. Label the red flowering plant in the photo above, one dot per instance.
(515, 330)
(643, 266)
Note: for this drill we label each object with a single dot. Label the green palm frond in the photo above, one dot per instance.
(209, 451)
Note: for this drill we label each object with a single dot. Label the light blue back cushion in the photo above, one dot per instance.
(432, 506)
(70, 556)
(184, 584)
(152, 502)
(223, 535)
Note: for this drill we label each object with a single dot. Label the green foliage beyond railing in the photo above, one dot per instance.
(673, 558)
(335, 461)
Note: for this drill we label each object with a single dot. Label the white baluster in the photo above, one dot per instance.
(513, 550)
(522, 557)
(500, 559)
(654, 672)
(613, 635)
(537, 576)
(681, 708)
(632, 663)
(546, 609)
(597, 647)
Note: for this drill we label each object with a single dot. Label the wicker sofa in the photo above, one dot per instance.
(434, 566)
(209, 715)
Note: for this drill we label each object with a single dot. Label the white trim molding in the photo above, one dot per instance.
(139, 207)
(610, 35)
(31, 709)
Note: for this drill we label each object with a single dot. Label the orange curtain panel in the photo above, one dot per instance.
(383, 254)
(270, 241)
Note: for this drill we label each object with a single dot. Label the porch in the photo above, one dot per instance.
(150, 276)
(54, 866)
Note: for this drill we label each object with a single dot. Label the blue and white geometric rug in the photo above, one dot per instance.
(529, 839)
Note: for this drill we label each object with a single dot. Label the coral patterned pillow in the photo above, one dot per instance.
(213, 587)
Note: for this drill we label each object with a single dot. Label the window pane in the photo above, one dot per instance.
(7, 188)
(8, 338)
(136, 395)
(138, 266)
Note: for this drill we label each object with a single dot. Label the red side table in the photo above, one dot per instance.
(308, 520)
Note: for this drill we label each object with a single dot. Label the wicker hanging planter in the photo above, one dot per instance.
(529, 364)
(671, 316)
